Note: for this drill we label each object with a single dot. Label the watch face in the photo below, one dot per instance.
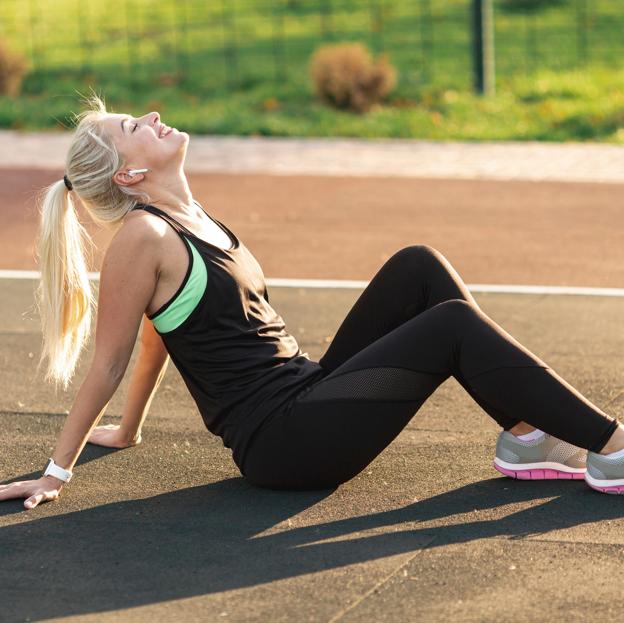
(49, 467)
(57, 471)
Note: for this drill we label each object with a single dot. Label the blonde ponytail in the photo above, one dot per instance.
(64, 297)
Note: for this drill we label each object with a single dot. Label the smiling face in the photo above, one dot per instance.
(146, 143)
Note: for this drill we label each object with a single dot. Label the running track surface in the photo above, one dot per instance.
(512, 232)
(428, 532)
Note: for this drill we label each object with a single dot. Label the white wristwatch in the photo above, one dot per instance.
(52, 469)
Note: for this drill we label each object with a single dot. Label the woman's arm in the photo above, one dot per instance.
(147, 375)
(149, 370)
(93, 396)
(127, 282)
(91, 400)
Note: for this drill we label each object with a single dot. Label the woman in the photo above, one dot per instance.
(291, 423)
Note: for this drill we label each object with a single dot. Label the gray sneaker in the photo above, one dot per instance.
(605, 474)
(546, 458)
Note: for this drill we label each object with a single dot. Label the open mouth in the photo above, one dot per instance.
(164, 131)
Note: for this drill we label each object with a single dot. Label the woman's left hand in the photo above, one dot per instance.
(111, 436)
(45, 489)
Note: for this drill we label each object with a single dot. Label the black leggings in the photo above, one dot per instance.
(415, 325)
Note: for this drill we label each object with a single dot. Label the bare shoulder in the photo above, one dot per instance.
(142, 226)
(140, 232)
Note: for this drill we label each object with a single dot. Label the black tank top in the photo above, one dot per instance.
(232, 350)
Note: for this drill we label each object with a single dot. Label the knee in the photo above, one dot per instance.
(456, 312)
(418, 251)
(421, 256)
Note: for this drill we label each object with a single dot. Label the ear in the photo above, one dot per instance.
(122, 178)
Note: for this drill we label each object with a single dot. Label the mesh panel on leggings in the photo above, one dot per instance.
(383, 383)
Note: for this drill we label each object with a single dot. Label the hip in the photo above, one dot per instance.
(262, 411)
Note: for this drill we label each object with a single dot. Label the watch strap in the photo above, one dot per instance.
(52, 469)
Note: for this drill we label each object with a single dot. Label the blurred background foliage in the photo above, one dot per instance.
(243, 66)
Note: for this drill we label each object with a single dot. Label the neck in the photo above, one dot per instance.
(172, 194)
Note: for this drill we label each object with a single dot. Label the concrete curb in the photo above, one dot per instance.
(522, 161)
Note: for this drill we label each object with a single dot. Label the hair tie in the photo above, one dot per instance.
(69, 185)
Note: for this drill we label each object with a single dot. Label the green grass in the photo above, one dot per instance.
(554, 81)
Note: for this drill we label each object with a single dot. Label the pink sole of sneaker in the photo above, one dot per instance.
(540, 474)
(619, 489)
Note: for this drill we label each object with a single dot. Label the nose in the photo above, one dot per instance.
(151, 118)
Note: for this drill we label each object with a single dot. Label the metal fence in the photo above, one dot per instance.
(234, 44)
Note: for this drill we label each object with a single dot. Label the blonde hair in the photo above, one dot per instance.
(64, 298)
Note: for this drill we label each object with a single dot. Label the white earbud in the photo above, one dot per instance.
(133, 172)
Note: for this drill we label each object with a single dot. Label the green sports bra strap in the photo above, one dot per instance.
(188, 296)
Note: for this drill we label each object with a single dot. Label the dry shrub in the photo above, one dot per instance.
(12, 69)
(345, 76)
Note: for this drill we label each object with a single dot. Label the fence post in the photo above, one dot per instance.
(426, 39)
(229, 44)
(129, 47)
(186, 55)
(278, 42)
(326, 20)
(33, 45)
(581, 31)
(377, 23)
(483, 46)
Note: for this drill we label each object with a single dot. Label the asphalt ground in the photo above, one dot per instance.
(429, 531)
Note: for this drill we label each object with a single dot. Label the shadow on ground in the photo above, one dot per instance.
(206, 539)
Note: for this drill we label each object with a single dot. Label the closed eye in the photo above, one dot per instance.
(136, 125)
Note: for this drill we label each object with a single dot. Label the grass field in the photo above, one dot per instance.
(242, 69)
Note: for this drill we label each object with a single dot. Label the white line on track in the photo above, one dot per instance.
(347, 284)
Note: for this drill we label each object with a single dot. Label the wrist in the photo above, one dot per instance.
(129, 436)
(58, 472)
(54, 482)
